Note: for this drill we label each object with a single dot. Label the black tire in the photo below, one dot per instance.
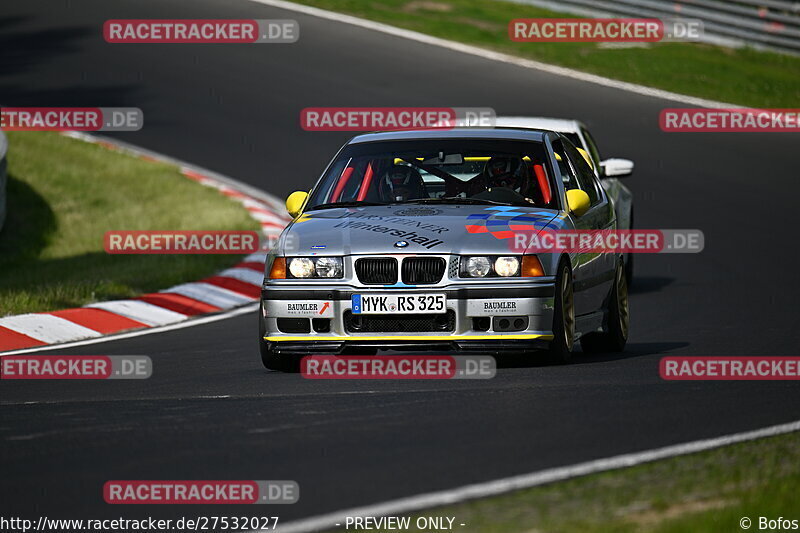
(561, 346)
(615, 336)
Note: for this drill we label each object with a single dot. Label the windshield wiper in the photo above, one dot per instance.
(354, 203)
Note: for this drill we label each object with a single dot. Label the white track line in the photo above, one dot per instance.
(47, 328)
(496, 56)
(247, 275)
(149, 314)
(533, 479)
(138, 333)
(211, 294)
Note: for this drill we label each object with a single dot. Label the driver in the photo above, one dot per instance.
(401, 183)
(504, 173)
(501, 171)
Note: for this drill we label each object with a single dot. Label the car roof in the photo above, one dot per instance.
(457, 133)
(561, 125)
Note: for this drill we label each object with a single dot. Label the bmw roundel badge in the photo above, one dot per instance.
(401, 244)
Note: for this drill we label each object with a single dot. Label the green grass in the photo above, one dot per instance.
(707, 492)
(739, 76)
(64, 194)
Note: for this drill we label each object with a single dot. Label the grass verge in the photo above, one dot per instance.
(64, 194)
(741, 76)
(706, 492)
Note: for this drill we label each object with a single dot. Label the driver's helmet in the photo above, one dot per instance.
(503, 171)
(401, 183)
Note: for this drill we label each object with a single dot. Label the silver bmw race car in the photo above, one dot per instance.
(411, 240)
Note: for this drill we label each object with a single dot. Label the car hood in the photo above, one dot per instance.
(435, 229)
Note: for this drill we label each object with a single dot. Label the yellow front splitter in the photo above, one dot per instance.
(415, 338)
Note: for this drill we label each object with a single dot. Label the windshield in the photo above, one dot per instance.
(437, 171)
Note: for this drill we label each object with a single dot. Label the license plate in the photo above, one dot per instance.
(374, 304)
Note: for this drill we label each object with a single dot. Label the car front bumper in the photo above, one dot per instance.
(472, 308)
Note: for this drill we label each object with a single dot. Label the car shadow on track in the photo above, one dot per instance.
(644, 285)
(632, 350)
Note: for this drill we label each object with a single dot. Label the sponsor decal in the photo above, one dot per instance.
(409, 236)
(500, 306)
(427, 226)
(307, 309)
(502, 222)
(418, 212)
(496, 307)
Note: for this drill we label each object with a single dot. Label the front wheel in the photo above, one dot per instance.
(614, 338)
(564, 318)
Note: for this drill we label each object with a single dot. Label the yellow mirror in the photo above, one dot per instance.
(586, 157)
(578, 202)
(295, 202)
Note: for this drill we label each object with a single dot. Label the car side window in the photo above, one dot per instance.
(564, 168)
(584, 173)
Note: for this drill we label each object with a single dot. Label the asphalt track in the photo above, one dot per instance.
(211, 412)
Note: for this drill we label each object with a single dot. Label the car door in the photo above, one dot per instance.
(593, 284)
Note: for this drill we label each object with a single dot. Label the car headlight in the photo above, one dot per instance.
(506, 266)
(315, 267)
(329, 267)
(301, 267)
(477, 267)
